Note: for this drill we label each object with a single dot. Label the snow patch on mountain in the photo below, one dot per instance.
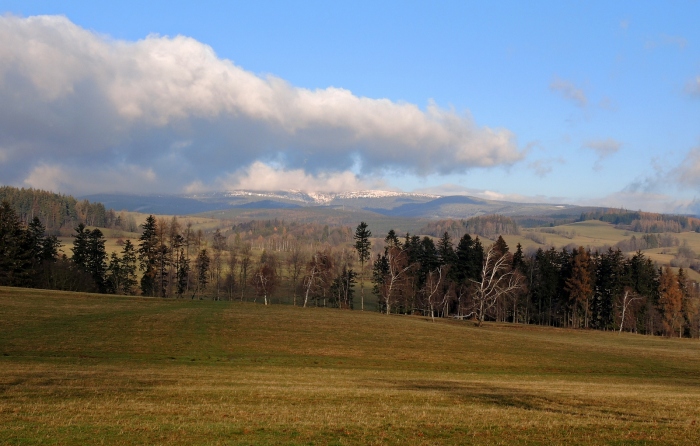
(322, 198)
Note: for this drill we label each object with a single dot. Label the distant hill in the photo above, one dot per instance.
(55, 211)
(267, 204)
(384, 203)
(158, 204)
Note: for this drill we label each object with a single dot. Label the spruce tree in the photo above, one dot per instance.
(183, 273)
(446, 251)
(363, 246)
(202, 270)
(148, 256)
(97, 259)
(128, 268)
(12, 257)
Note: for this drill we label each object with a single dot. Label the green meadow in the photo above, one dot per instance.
(95, 369)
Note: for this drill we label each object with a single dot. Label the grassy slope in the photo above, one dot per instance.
(84, 368)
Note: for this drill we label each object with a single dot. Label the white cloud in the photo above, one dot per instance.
(569, 91)
(666, 40)
(603, 148)
(73, 97)
(639, 200)
(688, 172)
(607, 104)
(82, 180)
(455, 189)
(693, 87)
(262, 177)
(543, 167)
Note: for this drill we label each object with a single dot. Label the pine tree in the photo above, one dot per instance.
(13, 259)
(202, 270)
(363, 246)
(97, 258)
(183, 273)
(114, 275)
(129, 267)
(501, 246)
(518, 262)
(610, 281)
(392, 240)
(80, 247)
(445, 249)
(148, 256)
(90, 256)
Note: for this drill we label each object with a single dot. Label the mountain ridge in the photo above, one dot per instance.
(381, 202)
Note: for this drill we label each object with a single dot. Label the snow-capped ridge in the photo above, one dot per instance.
(324, 197)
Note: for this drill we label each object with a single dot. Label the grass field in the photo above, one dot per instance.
(78, 369)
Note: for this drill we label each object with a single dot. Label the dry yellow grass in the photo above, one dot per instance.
(79, 369)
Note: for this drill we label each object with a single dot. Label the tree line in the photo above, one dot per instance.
(647, 222)
(60, 213)
(575, 288)
(568, 287)
(489, 226)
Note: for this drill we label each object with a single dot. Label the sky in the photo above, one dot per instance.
(579, 102)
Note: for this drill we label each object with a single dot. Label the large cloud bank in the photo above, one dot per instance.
(164, 114)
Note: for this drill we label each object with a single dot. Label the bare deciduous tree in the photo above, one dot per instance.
(433, 284)
(627, 300)
(319, 272)
(497, 280)
(395, 266)
(218, 247)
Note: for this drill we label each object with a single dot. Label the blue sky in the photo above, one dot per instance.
(580, 102)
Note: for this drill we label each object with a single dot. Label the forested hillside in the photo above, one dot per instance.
(644, 221)
(489, 226)
(56, 211)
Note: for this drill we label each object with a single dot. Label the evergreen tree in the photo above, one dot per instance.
(518, 262)
(202, 271)
(462, 270)
(148, 256)
(545, 285)
(363, 246)
(114, 275)
(392, 240)
(429, 259)
(445, 250)
(610, 280)
(97, 259)
(80, 247)
(128, 268)
(90, 256)
(183, 273)
(380, 271)
(13, 258)
(501, 246)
